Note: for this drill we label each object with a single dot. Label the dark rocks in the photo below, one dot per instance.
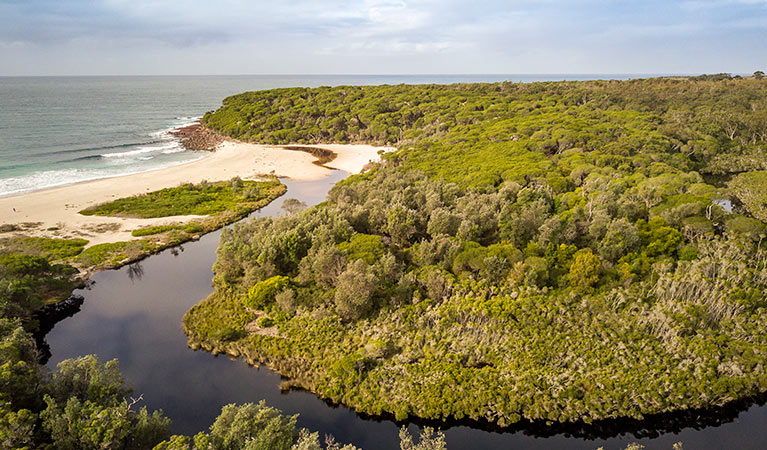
(197, 137)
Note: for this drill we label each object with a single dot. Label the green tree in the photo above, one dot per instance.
(17, 428)
(584, 271)
(250, 426)
(86, 408)
(354, 290)
(88, 425)
(429, 440)
(19, 370)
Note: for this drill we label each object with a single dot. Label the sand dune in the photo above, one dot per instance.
(54, 212)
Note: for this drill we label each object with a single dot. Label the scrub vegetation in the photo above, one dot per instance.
(203, 199)
(556, 252)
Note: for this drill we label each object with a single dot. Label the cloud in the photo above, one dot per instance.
(364, 36)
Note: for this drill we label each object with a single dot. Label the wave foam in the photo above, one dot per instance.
(182, 122)
(169, 147)
(54, 178)
(134, 159)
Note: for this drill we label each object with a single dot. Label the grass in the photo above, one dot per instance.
(202, 199)
(115, 253)
(149, 231)
(51, 248)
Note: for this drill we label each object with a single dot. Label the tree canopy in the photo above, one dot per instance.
(568, 251)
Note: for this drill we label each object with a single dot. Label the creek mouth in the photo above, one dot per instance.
(134, 314)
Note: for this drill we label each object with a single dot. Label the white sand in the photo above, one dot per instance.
(58, 207)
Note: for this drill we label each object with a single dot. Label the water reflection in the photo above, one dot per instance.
(136, 271)
(135, 313)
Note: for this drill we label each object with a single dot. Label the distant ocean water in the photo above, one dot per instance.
(62, 130)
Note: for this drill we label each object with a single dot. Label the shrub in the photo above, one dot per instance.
(354, 290)
(228, 333)
(366, 247)
(265, 322)
(262, 294)
(148, 231)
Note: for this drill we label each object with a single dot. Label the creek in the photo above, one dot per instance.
(134, 314)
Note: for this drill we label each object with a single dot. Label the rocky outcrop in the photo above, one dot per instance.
(197, 137)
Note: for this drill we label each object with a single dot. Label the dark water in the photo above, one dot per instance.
(134, 314)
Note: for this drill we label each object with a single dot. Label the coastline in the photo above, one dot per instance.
(54, 212)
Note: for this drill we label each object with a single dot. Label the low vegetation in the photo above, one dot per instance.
(553, 252)
(50, 248)
(203, 199)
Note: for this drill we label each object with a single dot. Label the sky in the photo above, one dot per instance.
(199, 37)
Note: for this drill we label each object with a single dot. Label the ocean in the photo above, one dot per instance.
(63, 130)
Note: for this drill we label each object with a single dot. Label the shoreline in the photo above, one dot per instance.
(54, 212)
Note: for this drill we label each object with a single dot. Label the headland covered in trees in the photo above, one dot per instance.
(561, 251)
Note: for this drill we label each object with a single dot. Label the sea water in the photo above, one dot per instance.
(62, 130)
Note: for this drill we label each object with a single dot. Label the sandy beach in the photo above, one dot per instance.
(54, 212)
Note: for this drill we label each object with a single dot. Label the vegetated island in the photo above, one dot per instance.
(559, 252)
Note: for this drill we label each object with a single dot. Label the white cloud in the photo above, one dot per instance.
(356, 36)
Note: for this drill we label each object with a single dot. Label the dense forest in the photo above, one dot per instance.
(561, 251)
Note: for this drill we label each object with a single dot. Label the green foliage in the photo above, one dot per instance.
(429, 440)
(545, 251)
(188, 199)
(487, 133)
(251, 427)
(193, 227)
(265, 322)
(190, 228)
(27, 282)
(86, 408)
(79, 425)
(113, 254)
(584, 271)
(368, 248)
(81, 406)
(88, 380)
(657, 237)
(745, 225)
(17, 428)
(49, 248)
(157, 229)
(19, 371)
(751, 189)
(354, 290)
(262, 294)
(228, 333)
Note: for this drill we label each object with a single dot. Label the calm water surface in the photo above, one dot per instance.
(134, 314)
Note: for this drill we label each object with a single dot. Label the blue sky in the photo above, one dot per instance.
(112, 37)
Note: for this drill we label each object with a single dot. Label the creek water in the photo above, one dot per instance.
(134, 314)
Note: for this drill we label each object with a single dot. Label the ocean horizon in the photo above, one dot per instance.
(59, 130)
